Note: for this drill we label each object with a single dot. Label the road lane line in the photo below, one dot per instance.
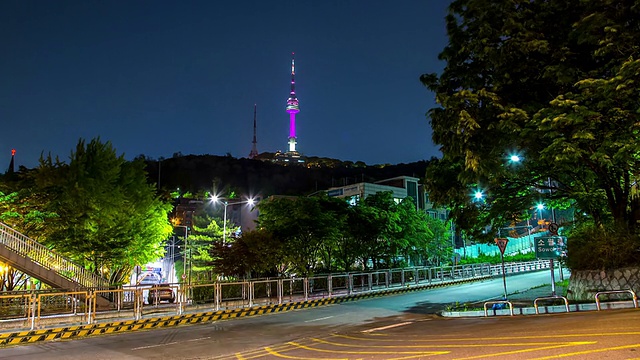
(387, 327)
(586, 352)
(558, 346)
(319, 319)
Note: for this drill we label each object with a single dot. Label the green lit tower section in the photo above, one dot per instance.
(292, 107)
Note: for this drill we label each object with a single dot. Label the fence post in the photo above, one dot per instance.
(89, 295)
(306, 288)
(216, 295)
(32, 307)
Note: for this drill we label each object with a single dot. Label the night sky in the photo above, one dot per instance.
(161, 77)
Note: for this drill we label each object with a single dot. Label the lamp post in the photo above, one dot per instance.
(184, 253)
(216, 199)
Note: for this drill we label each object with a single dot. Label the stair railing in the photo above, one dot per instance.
(40, 254)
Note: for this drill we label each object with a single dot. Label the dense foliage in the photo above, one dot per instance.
(593, 247)
(309, 235)
(555, 82)
(98, 210)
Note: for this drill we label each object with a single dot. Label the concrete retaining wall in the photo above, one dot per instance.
(584, 284)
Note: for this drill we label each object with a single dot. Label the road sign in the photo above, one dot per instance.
(550, 247)
(502, 244)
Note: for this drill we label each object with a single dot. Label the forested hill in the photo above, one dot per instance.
(200, 173)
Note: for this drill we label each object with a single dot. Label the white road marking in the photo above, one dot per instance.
(324, 318)
(171, 343)
(388, 327)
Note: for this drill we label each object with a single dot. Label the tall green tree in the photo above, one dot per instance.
(303, 225)
(109, 218)
(554, 81)
(205, 234)
(256, 254)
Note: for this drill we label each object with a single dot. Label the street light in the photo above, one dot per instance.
(216, 199)
(184, 255)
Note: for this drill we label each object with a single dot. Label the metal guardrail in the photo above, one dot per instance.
(39, 310)
(34, 310)
(518, 267)
(44, 257)
(633, 294)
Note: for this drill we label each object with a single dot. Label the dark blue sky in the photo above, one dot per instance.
(160, 77)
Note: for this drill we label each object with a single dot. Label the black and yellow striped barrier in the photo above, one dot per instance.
(80, 331)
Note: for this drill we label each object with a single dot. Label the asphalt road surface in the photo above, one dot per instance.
(394, 327)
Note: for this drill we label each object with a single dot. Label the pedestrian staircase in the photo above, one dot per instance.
(35, 260)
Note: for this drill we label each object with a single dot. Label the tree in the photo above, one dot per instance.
(302, 224)
(256, 254)
(362, 236)
(556, 82)
(109, 218)
(205, 234)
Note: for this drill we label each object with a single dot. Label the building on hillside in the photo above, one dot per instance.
(401, 187)
(182, 215)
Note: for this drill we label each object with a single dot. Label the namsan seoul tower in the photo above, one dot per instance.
(292, 107)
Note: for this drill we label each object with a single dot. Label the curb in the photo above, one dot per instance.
(81, 331)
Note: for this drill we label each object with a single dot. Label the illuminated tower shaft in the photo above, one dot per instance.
(292, 107)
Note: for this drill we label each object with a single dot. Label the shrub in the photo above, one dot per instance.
(591, 247)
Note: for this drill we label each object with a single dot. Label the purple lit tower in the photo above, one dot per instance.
(292, 108)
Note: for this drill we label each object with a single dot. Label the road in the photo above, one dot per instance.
(394, 327)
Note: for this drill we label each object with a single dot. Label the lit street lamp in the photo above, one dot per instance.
(184, 253)
(216, 199)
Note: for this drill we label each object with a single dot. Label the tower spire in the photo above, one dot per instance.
(292, 107)
(254, 148)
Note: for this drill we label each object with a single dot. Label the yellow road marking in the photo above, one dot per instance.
(391, 337)
(403, 345)
(526, 350)
(591, 351)
(387, 327)
(368, 352)
(275, 353)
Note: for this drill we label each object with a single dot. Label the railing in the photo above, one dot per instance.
(41, 255)
(33, 310)
(518, 267)
(38, 310)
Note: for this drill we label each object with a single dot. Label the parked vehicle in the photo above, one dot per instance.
(161, 292)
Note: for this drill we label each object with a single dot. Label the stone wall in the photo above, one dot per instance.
(584, 284)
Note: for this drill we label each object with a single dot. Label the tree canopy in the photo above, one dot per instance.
(309, 235)
(555, 82)
(108, 217)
